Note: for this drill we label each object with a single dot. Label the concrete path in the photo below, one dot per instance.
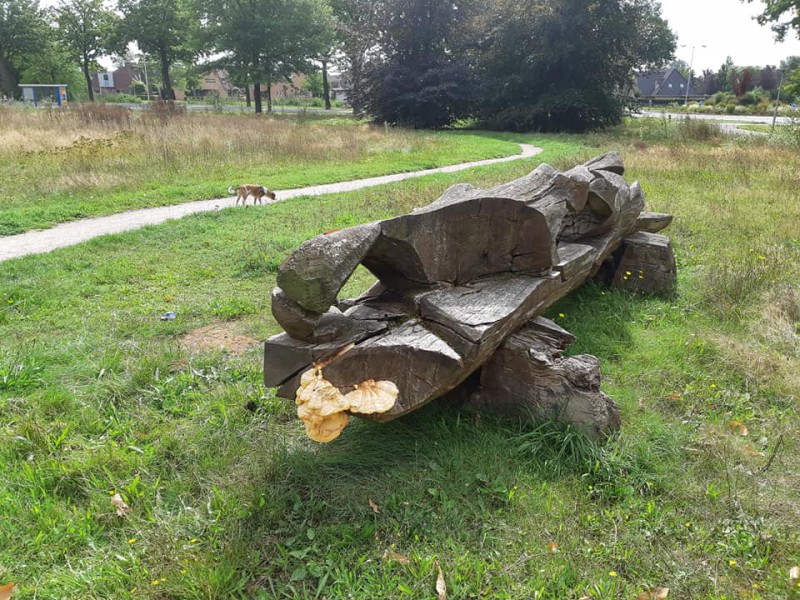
(75, 232)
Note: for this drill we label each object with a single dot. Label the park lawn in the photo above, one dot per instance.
(229, 499)
(102, 159)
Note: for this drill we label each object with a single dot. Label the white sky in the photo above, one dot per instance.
(726, 28)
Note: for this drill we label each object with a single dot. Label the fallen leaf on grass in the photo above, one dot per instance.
(794, 573)
(6, 590)
(119, 504)
(659, 593)
(674, 396)
(738, 427)
(374, 506)
(752, 451)
(552, 548)
(403, 560)
(441, 586)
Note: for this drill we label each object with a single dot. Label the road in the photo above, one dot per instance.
(244, 109)
(741, 119)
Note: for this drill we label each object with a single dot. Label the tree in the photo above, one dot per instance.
(357, 35)
(782, 14)
(709, 83)
(564, 65)
(163, 28)
(85, 28)
(51, 64)
(22, 29)
(725, 75)
(424, 77)
(266, 40)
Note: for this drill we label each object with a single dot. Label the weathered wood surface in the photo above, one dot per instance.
(529, 378)
(456, 279)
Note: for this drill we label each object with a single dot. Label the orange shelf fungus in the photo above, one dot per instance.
(324, 409)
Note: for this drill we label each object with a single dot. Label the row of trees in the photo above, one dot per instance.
(511, 64)
(738, 80)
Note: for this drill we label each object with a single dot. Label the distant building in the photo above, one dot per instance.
(664, 85)
(117, 82)
(215, 83)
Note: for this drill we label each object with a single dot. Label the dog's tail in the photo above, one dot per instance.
(231, 191)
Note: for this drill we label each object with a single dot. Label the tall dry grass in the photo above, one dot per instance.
(191, 134)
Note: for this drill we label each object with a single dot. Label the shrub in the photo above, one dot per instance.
(730, 109)
(741, 110)
(121, 98)
(748, 99)
(697, 130)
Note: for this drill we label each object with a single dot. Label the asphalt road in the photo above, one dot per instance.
(238, 108)
(749, 119)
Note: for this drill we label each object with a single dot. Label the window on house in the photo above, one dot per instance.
(669, 85)
(105, 76)
(682, 86)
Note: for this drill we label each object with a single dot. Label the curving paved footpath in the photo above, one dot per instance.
(75, 232)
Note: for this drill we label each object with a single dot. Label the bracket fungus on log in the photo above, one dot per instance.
(460, 284)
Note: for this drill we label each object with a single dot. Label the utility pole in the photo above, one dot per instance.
(777, 102)
(146, 82)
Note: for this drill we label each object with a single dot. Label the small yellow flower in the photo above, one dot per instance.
(562, 315)
(628, 273)
(132, 541)
(612, 573)
(183, 571)
(732, 563)
(713, 386)
(193, 541)
(154, 582)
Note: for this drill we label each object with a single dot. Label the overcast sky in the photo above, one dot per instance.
(726, 28)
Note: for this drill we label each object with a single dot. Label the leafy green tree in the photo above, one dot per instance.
(163, 28)
(563, 65)
(357, 36)
(85, 28)
(423, 76)
(22, 31)
(783, 15)
(266, 40)
(51, 64)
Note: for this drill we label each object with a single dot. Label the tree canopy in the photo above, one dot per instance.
(22, 29)
(85, 28)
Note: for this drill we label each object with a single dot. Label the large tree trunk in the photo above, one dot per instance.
(247, 95)
(88, 78)
(257, 96)
(8, 79)
(269, 94)
(355, 86)
(458, 277)
(167, 93)
(326, 87)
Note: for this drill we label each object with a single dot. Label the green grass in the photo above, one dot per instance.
(229, 499)
(102, 159)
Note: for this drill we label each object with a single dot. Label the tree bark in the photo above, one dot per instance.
(8, 79)
(247, 95)
(257, 96)
(326, 88)
(269, 94)
(167, 93)
(88, 78)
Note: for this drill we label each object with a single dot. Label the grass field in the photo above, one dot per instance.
(99, 159)
(699, 493)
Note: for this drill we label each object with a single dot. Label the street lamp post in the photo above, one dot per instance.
(689, 80)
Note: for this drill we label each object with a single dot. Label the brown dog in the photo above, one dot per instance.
(258, 192)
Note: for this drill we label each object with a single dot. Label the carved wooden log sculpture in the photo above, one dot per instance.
(459, 279)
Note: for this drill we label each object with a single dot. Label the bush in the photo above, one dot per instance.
(120, 98)
(730, 109)
(748, 99)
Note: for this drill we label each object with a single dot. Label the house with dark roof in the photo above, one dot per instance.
(665, 85)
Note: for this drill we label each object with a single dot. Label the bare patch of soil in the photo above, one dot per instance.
(217, 336)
